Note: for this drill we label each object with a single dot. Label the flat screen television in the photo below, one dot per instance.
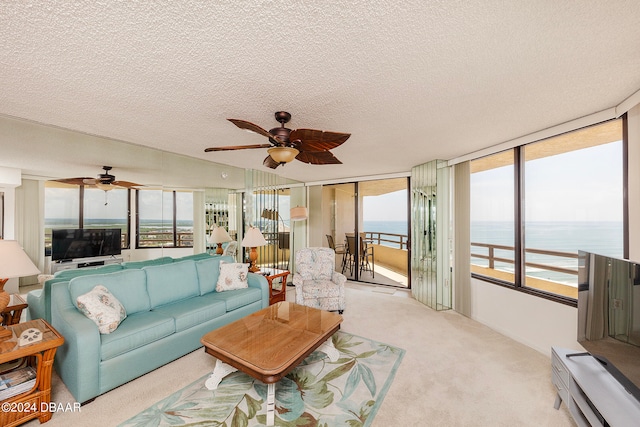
(609, 315)
(73, 243)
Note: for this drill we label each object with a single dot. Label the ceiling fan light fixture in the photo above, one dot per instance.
(283, 154)
(103, 186)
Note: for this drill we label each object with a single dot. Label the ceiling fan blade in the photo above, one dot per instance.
(270, 163)
(317, 140)
(73, 181)
(243, 124)
(318, 158)
(237, 147)
(126, 184)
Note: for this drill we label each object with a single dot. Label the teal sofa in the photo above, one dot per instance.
(169, 308)
(39, 300)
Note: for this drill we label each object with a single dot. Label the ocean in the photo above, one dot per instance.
(605, 238)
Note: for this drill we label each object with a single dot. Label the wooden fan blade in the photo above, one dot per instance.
(317, 140)
(237, 147)
(74, 181)
(126, 184)
(318, 158)
(243, 124)
(270, 163)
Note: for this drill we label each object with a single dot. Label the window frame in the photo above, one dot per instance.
(519, 203)
(80, 196)
(174, 221)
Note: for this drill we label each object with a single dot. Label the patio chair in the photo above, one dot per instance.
(317, 283)
(365, 259)
(338, 249)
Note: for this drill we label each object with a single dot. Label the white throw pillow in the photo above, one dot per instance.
(232, 276)
(103, 308)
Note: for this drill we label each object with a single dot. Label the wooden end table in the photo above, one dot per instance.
(11, 314)
(35, 402)
(269, 343)
(278, 278)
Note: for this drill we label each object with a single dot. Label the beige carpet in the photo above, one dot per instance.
(456, 372)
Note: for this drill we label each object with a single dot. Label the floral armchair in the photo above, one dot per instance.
(317, 283)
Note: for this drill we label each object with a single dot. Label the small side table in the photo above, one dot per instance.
(11, 314)
(35, 402)
(277, 284)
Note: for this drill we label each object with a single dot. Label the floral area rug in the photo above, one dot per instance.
(318, 392)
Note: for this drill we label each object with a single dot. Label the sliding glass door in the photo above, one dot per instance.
(368, 225)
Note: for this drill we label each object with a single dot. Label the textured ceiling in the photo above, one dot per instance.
(411, 80)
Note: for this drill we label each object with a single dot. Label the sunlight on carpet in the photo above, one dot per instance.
(318, 392)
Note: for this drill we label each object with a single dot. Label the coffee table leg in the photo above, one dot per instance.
(220, 370)
(271, 403)
(329, 349)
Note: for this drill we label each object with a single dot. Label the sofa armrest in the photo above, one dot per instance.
(259, 281)
(77, 361)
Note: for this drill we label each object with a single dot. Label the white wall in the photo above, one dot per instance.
(536, 322)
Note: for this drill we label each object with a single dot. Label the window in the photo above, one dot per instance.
(107, 209)
(492, 216)
(165, 219)
(528, 222)
(78, 206)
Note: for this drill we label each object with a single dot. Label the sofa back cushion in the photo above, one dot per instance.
(208, 272)
(128, 286)
(171, 282)
(148, 262)
(77, 272)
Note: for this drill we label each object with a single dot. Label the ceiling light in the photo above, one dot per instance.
(103, 186)
(283, 154)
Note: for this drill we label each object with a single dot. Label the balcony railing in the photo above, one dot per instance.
(567, 286)
(492, 257)
(398, 241)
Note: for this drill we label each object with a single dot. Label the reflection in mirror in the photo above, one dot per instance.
(609, 314)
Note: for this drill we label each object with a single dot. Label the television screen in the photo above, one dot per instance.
(609, 315)
(68, 244)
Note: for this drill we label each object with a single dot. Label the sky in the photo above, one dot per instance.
(582, 185)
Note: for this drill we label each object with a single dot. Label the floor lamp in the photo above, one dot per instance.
(299, 213)
(14, 262)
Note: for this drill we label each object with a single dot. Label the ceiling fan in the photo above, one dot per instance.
(306, 145)
(105, 181)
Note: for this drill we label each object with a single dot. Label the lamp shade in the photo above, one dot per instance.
(219, 235)
(253, 238)
(299, 213)
(14, 262)
(283, 154)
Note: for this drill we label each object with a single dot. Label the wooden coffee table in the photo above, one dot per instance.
(269, 343)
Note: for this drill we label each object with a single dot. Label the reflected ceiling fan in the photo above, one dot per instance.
(306, 145)
(105, 181)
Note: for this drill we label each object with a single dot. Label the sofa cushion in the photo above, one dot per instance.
(208, 271)
(128, 286)
(146, 263)
(171, 282)
(193, 311)
(236, 299)
(76, 272)
(135, 331)
(194, 257)
(233, 275)
(103, 308)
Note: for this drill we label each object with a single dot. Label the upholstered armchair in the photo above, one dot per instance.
(317, 283)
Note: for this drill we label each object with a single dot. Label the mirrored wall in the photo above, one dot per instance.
(430, 235)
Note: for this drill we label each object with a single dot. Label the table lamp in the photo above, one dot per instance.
(252, 239)
(14, 262)
(219, 235)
